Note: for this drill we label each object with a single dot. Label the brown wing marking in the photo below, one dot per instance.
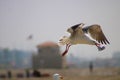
(97, 33)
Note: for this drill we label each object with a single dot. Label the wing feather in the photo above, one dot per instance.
(96, 33)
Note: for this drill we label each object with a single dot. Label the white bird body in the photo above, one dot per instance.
(56, 76)
(79, 35)
(81, 39)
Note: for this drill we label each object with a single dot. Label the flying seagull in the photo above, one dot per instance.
(79, 35)
(30, 37)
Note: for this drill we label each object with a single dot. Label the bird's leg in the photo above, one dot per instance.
(66, 50)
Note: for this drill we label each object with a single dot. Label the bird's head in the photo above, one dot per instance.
(75, 27)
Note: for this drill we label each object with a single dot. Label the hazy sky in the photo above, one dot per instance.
(47, 20)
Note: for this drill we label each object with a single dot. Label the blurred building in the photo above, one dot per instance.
(11, 59)
(22, 59)
(48, 56)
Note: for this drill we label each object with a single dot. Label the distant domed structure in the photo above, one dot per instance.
(48, 56)
(47, 44)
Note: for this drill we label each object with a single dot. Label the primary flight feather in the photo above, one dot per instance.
(78, 35)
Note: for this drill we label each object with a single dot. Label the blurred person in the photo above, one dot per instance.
(9, 73)
(36, 73)
(27, 73)
(91, 67)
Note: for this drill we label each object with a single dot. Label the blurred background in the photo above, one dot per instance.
(30, 31)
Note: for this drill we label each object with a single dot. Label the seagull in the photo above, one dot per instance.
(56, 76)
(30, 37)
(91, 35)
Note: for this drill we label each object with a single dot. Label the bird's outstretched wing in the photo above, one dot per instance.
(96, 33)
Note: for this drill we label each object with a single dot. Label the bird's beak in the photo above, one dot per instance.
(60, 77)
